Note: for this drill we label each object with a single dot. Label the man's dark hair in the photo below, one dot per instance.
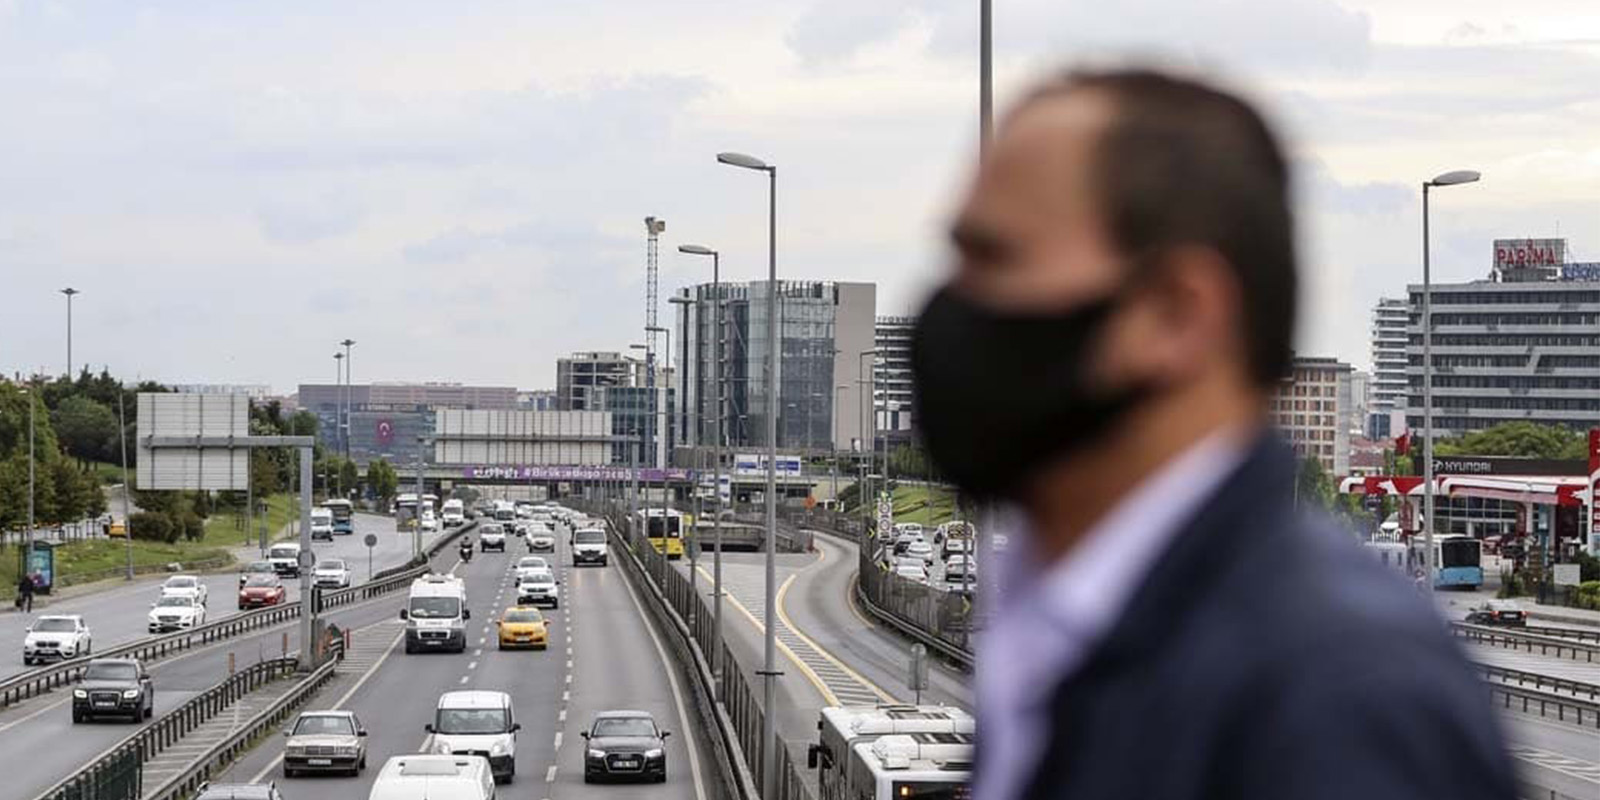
(1183, 163)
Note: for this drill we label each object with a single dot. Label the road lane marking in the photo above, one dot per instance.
(477, 652)
(566, 696)
(464, 678)
(783, 616)
(561, 717)
(472, 665)
(550, 774)
(677, 693)
(558, 740)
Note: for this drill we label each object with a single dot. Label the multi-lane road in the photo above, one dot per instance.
(119, 615)
(603, 654)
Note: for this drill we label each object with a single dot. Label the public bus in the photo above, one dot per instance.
(1458, 560)
(893, 752)
(343, 515)
(405, 509)
(665, 528)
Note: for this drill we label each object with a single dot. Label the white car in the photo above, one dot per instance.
(921, 550)
(541, 539)
(538, 588)
(492, 538)
(913, 572)
(55, 637)
(185, 586)
(331, 573)
(175, 612)
(528, 564)
(429, 521)
(476, 723)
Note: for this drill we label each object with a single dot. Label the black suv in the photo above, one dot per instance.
(114, 687)
(625, 744)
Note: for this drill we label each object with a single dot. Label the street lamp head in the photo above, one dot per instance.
(638, 347)
(69, 291)
(1455, 177)
(338, 356)
(681, 301)
(348, 342)
(655, 225)
(742, 160)
(696, 250)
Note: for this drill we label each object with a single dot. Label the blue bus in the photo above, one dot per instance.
(343, 515)
(1458, 560)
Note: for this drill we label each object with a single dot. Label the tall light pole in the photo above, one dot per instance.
(27, 546)
(338, 410)
(347, 399)
(69, 292)
(1452, 178)
(665, 437)
(834, 439)
(633, 465)
(769, 674)
(682, 424)
(862, 392)
(127, 485)
(985, 76)
(716, 514)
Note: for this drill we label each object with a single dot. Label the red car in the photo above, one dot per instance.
(259, 591)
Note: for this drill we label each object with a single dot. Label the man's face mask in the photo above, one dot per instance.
(1002, 393)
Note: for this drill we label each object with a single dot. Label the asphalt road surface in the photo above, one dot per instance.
(119, 615)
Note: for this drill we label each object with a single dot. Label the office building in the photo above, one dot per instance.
(1307, 409)
(823, 327)
(893, 399)
(1355, 407)
(1388, 387)
(580, 375)
(1522, 345)
(385, 418)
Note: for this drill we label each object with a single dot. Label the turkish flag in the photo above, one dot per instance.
(1402, 445)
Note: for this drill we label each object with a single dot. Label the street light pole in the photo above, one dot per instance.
(665, 440)
(834, 439)
(348, 389)
(985, 76)
(127, 485)
(69, 292)
(769, 674)
(716, 457)
(862, 392)
(27, 547)
(1447, 179)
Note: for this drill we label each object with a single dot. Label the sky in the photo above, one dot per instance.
(460, 187)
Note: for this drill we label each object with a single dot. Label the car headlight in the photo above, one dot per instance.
(498, 749)
(131, 694)
(597, 753)
(442, 748)
(656, 753)
(347, 750)
(80, 694)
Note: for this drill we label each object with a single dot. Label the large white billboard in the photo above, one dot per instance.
(190, 415)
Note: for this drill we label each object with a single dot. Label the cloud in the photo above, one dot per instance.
(835, 30)
(307, 219)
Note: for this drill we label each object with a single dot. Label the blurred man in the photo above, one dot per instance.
(1122, 308)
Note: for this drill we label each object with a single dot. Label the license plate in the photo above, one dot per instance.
(104, 704)
(320, 762)
(627, 764)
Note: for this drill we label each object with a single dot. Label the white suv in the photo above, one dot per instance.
(55, 637)
(185, 586)
(477, 723)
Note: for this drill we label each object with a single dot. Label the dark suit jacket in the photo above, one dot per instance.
(1266, 656)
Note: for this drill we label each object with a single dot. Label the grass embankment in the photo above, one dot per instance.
(98, 559)
(929, 505)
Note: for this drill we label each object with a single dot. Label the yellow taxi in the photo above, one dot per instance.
(522, 626)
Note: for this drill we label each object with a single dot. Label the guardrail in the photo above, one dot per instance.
(118, 774)
(33, 683)
(1565, 633)
(186, 783)
(1545, 704)
(1539, 681)
(1559, 646)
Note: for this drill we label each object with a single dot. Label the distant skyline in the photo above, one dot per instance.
(461, 187)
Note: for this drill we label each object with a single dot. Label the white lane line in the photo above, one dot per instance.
(273, 764)
(569, 677)
(472, 665)
(550, 774)
(677, 694)
(562, 717)
(482, 639)
(558, 740)
(566, 696)
(569, 663)
(477, 652)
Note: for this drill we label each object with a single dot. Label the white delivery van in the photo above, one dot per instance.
(589, 546)
(430, 777)
(285, 558)
(322, 524)
(477, 723)
(436, 614)
(454, 513)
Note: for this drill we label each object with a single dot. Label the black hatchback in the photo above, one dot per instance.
(625, 744)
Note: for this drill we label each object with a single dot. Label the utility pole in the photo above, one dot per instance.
(127, 485)
(69, 292)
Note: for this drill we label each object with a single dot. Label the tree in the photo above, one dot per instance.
(87, 429)
(349, 477)
(1313, 484)
(382, 479)
(1518, 439)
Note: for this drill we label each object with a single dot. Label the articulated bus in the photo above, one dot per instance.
(1457, 559)
(893, 753)
(665, 528)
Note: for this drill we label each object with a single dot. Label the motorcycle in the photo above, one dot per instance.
(466, 552)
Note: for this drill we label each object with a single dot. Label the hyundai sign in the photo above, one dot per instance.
(1529, 253)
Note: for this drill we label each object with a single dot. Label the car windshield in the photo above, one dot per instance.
(471, 720)
(180, 583)
(524, 615)
(532, 562)
(324, 725)
(261, 580)
(589, 537)
(54, 625)
(435, 607)
(539, 577)
(624, 726)
(332, 565)
(284, 552)
(174, 601)
(259, 566)
(110, 672)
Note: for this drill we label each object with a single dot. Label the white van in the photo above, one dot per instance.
(285, 558)
(430, 777)
(436, 614)
(454, 513)
(504, 512)
(477, 723)
(589, 546)
(321, 524)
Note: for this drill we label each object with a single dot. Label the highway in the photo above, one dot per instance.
(602, 655)
(119, 615)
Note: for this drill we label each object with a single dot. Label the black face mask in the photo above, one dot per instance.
(1001, 394)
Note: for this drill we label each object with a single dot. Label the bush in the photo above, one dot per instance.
(192, 526)
(150, 526)
(1588, 595)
